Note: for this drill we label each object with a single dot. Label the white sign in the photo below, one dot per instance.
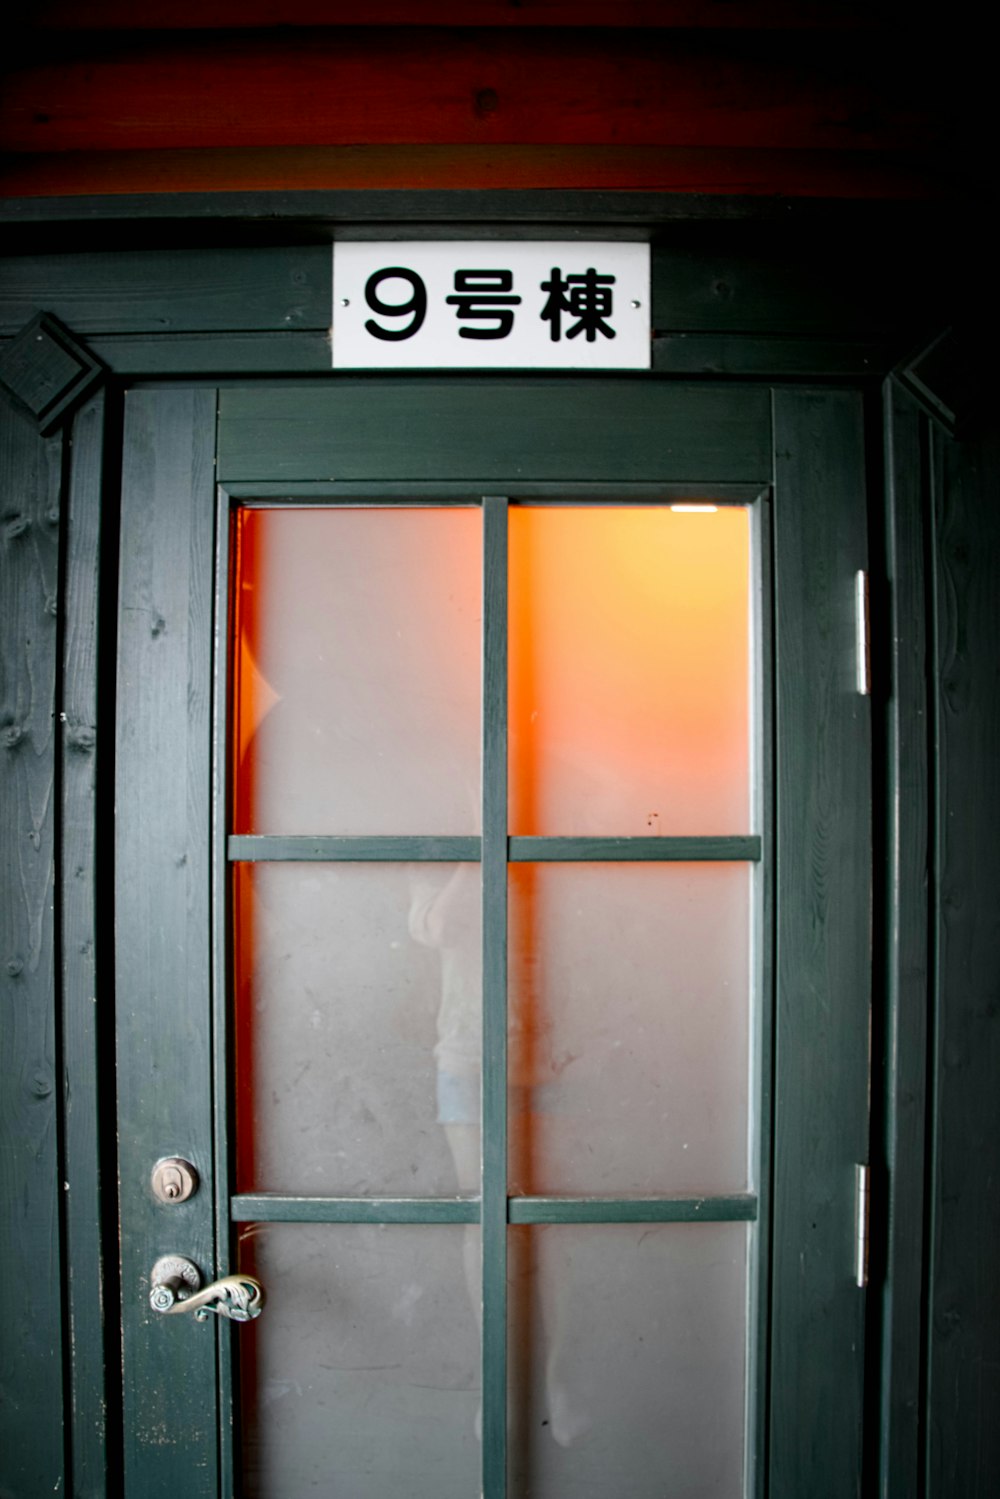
(488, 304)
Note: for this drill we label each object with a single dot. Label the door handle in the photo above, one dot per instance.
(175, 1286)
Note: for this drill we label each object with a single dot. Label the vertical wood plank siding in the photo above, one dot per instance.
(31, 1355)
(963, 1372)
(87, 1007)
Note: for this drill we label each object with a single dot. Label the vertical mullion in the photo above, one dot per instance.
(494, 1073)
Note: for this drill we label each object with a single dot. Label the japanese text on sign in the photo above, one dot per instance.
(491, 305)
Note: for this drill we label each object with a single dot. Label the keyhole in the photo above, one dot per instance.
(174, 1180)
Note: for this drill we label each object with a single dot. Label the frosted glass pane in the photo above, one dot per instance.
(356, 671)
(627, 1361)
(361, 1378)
(629, 671)
(357, 1027)
(629, 1005)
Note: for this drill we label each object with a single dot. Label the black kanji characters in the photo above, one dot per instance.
(587, 297)
(486, 299)
(486, 296)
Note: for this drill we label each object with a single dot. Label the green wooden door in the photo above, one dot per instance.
(527, 1069)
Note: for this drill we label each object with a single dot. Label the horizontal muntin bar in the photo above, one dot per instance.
(741, 1208)
(293, 848)
(587, 850)
(259, 848)
(276, 1207)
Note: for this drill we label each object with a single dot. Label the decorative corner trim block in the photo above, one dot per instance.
(945, 378)
(48, 371)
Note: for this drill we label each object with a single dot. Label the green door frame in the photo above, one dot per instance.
(276, 441)
(735, 295)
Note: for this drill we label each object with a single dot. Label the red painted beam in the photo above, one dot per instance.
(496, 88)
(173, 15)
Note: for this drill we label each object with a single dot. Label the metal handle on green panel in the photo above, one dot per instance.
(175, 1286)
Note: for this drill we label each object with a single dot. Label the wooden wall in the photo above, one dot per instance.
(751, 97)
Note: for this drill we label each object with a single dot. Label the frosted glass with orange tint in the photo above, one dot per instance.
(629, 1028)
(356, 671)
(629, 671)
(357, 987)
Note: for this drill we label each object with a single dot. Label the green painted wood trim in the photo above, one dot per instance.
(907, 838)
(224, 1082)
(171, 291)
(431, 427)
(742, 355)
(494, 937)
(86, 1015)
(739, 1208)
(32, 1412)
(823, 859)
(418, 493)
(162, 888)
(763, 994)
(330, 849)
(720, 279)
(213, 353)
(962, 1316)
(228, 355)
(941, 612)
(617, 850)
(274, 1207)
(460, 213)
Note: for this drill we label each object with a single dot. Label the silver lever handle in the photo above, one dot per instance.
(175, 1286)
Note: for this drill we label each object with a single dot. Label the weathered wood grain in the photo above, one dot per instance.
(87, 1008)
(171, 291)
(31, 1259)
(495, 429)
(162, 926)
(963, 1375)
(812, 307)
(823, 996)
(372, 86)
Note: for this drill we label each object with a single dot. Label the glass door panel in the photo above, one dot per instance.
(357, 988)
(628, 1360)
(629, 1046)
(362, 1377)
(356, 671)
(629, 670)
(466, 1045)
